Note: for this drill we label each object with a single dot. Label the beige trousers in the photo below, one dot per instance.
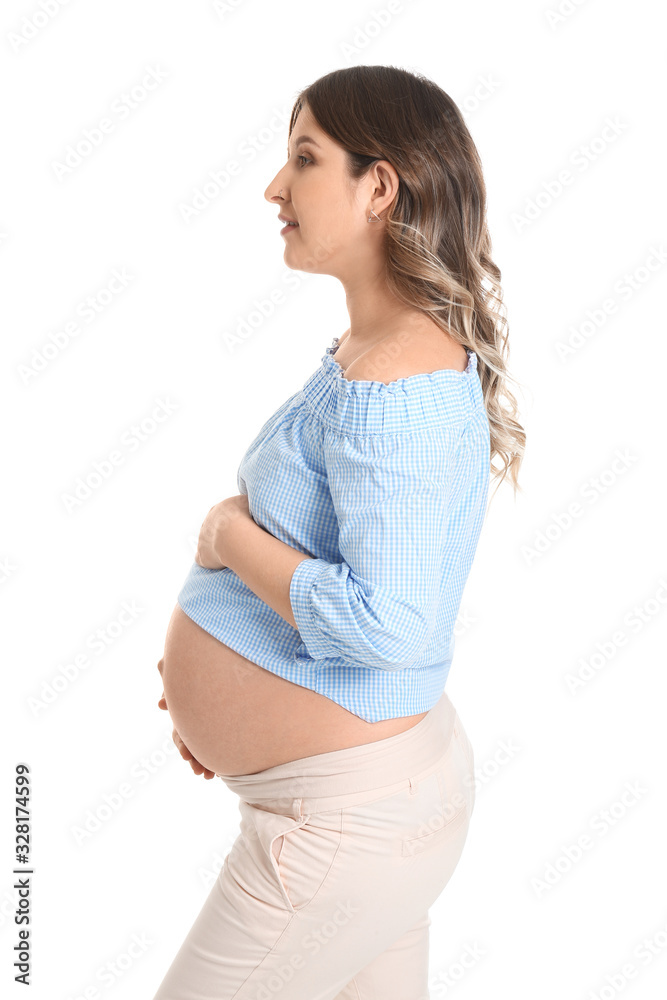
(325, 893)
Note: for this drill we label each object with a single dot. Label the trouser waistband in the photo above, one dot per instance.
(342, 778)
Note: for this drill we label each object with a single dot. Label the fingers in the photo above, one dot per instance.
(162, 703)
(182, 749)
(194, 763)
(200, 769)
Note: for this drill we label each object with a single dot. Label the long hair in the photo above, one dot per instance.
(437, 243)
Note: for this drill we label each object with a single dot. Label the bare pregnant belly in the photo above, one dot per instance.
(238, 718)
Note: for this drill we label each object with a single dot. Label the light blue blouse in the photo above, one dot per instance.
(386, 487)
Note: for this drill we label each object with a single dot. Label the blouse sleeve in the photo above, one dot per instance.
(378, 606)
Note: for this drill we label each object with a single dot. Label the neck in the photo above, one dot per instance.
(375, 313)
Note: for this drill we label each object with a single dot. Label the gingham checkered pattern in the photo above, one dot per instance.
(385, 487)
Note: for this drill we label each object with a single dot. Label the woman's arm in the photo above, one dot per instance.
(264, 563)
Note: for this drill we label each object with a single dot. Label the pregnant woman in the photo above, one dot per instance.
(306, 658)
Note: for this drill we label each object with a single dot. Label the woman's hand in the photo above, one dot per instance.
(162, 703)
(182, 749)
(186, 755)
(222, 518)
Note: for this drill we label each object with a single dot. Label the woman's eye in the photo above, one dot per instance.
(300, 157)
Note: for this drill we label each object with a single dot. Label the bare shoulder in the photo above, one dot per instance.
(407, 354)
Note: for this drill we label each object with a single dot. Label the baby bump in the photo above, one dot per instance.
(235, 717)
(212, 694)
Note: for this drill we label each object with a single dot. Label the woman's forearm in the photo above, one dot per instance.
(264, 563)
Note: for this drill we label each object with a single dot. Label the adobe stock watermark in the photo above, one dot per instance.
(591, 491)
(247, 323)
(485, 87)
(208, 874)
(464, 622)
(642, 955)
(110, 972)
(634, 621)
(8, 906)
(579, 161)
(131, 440)
(506, 751)
(449, 814)
(32, 24)
(561, 12)
(447, 979)
(88, 309)
(222, 7)
(111, 802)
(600, 825)
(363, 35)
(624, 289)
(7, 569)
(94, 136)
(98, 642)
(220, 178)
(453, 811)
(312, 943)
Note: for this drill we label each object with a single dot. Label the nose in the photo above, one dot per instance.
(272, 193)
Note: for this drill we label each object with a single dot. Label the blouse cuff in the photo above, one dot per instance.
(303, 581)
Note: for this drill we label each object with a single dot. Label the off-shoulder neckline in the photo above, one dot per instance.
(335, 370)
(427, 400)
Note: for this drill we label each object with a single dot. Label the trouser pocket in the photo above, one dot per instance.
(291, 857)
(440, 807)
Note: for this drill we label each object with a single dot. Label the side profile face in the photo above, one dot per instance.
(333, 235)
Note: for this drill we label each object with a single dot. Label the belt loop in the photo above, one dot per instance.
(413, 786)
(296, 808)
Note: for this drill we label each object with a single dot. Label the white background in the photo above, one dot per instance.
(545, 592)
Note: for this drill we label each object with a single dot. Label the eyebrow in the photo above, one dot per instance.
(302, 139)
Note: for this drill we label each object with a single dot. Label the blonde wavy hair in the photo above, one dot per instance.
(438, 248)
